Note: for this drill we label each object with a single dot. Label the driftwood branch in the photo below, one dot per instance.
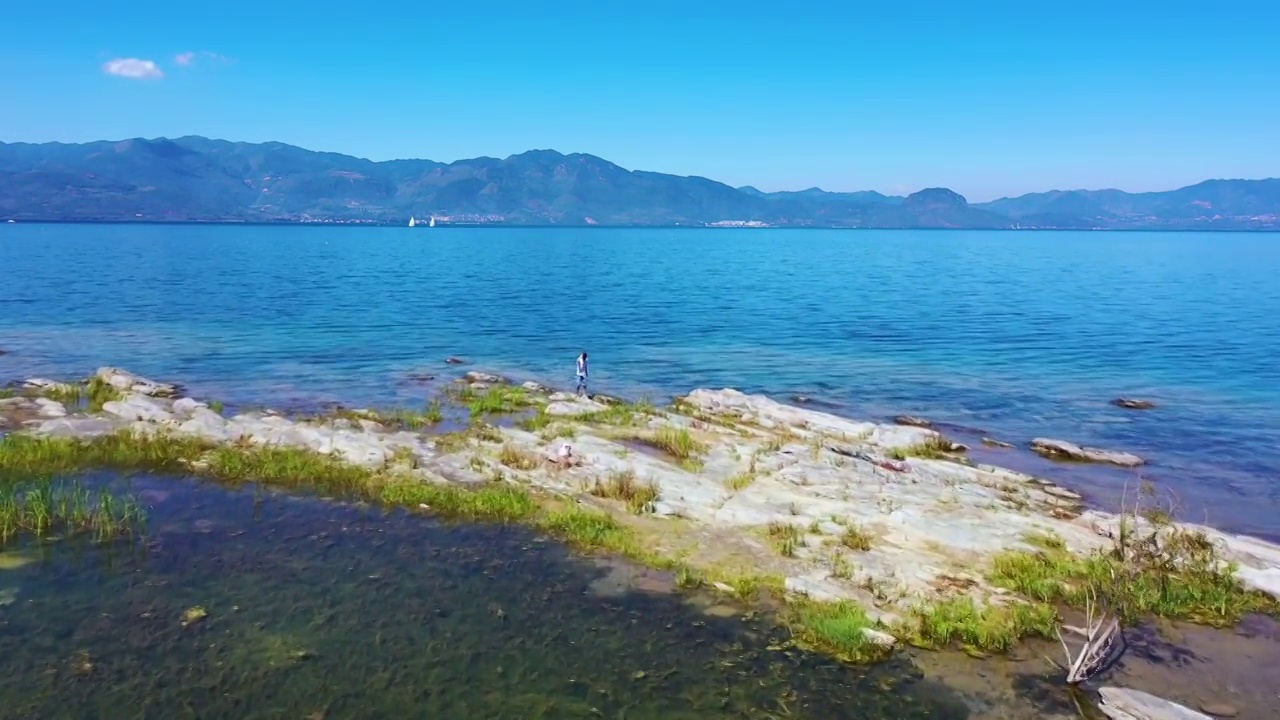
(1100, 633)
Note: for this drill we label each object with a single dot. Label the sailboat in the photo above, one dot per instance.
(412, 221)
(433, 221)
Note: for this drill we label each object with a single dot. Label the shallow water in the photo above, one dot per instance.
(322, 610)
(1015, 334)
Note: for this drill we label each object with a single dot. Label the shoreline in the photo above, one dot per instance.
(875, 536)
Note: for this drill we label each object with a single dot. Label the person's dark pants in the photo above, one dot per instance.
(582, 385)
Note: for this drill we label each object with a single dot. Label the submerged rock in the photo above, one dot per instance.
(992, 442)
(1133, 403)
(1063, 450)
(454, 361)
(1122, 704)
(912, 420)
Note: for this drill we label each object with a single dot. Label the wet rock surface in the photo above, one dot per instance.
(1121, 704)
(1133, 403)
(1063, 450)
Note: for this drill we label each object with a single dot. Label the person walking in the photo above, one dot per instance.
(582, 374)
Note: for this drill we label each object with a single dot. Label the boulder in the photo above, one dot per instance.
(484, 378)
(49, 408)
(184, 407)
(126, 381)
(1122, 704)
(1133, 403)
(138, 407)
(1063, 450)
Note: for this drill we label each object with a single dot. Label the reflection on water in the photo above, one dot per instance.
(316, 610)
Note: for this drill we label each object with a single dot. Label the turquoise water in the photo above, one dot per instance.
(1017, 335)
(320, 610)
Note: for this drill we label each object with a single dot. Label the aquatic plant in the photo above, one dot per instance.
(623, 486)
(46, 507)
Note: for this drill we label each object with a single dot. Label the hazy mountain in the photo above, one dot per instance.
(1227, 204)
(198, 179)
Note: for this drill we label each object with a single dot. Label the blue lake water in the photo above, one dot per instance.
(1017, 335)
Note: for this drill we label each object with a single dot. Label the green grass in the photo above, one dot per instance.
(620, 414)
(536, 422)
(8, 393)
(623, 486)
(935, 447)
(290, 467)
(217, 406)
(984, 628)
(855, 538)
(741, 481)
(677, 442)
(494, 502)
(42, 508)
(24, 456)
(496, 400)
(1174, 573)
(590, 529)
(834, 628)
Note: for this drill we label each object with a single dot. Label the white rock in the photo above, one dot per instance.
(1122, 704)
(573, 406)
(882, 639)
(1062, 449)
(128, 382)
(139, 407)
(50, 408)
(184, 407)
(70, 427)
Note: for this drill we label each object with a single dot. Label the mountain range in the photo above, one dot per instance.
(199, 179)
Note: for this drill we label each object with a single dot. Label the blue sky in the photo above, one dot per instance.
(989, 99)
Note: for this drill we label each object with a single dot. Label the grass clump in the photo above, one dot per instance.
(517, 459)
(677, 442)
(786, 538)
(936, 447)
(983, 628)
(589, 529)
(1169, 572)
(43, 507)
(496, 400)
(620, 414)
(623, 486)
(838, 629)
(430, 415)
(293, 467)
(855, 538)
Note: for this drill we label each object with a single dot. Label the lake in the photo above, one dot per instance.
(1013, 335)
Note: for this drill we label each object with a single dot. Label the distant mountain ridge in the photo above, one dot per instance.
(198, 179)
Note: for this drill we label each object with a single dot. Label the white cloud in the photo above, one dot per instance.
(133, 68)
(187, 59)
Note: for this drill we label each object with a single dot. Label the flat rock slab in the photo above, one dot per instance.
(128, 382)
(1122, 704)
(1063, 450)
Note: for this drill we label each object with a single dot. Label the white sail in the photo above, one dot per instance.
(412, 222)
(433, 221)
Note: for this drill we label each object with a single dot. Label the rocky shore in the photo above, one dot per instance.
(887, 516)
